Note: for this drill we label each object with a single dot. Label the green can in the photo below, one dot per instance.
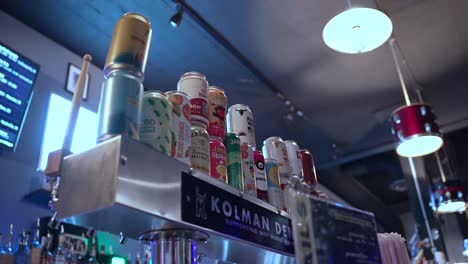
(234, 161)
(155, 129)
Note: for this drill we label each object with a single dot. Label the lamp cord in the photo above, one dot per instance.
(441, 169)
(400, 75)
(421, 203)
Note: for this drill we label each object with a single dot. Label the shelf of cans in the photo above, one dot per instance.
(191, 123)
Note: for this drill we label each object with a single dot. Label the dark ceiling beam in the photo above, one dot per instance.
(359, 196)
(218, 37)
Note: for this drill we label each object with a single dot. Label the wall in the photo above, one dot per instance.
(18, 169)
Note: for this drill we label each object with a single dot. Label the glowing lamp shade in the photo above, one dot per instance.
(415, 130)
(449, 197)
(357, 30)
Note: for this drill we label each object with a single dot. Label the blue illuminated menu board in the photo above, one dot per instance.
(17, 76)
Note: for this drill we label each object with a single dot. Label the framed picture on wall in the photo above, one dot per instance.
(72, 78)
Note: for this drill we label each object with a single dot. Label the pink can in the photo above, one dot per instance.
(196, 86)
(218, 163)
(248, 169)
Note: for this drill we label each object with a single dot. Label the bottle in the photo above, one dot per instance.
(36, 247)
(46, 256)
(23, 253)
(8, 257)
(92, 251)
(60, 254)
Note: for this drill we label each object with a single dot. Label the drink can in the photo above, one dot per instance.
(293, 157)
(234, 161)
(155, 128)
(308, 167)
(181, 137)
(120, 105)
(196, 86)
(240, 121)
(274, 148)
(217, 104)
(218, 169)
(248, 170)
(129, 45)
(200, 150)
(260, 176)
(275, 193)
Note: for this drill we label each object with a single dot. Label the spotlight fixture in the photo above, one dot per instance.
(413, 125)
(176, 19)
(357, 30)
(449, 195)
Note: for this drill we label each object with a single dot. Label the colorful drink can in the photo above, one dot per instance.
(260, 176)
(129, 45)
(293, 157)
(240, 121)
(120, 105)
(274, 148)
(200, 150)
(196, 86)
(181, 137)
(248, 170)
(308, 167)
(217, 104)
(275, 193)
(155, 129)
(234, 161)
(218, 161)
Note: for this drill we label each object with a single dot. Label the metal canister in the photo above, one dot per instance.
(240, 121)
(218, 169)
(196, 86)
(308, 167)
(274, 148)
(260, 177)
(155, 128)
(293, 157)
(248, 170)
(275, 193)
(200, 150)
(217, 104)
(120, 105)
(129, 45)
(181, 138)
(234, 161)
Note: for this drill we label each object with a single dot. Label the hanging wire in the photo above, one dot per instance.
(420, 97)
(400, 75)
(441, 169)
(421, 203)
(349, 4)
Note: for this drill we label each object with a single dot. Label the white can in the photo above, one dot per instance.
(274, 148)
(248, 169)
(293, 157)
(195, 85)
(181, 137)
(240, 121)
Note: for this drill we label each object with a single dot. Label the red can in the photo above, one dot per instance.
(308, 167)
(196, 86)
(248, 169)
(260, 176)
(218, 162)
(217, 103)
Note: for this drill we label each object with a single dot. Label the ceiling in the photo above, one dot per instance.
(346, 98)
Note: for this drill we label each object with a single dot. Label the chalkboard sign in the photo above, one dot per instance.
(17, 77)
(325, 232)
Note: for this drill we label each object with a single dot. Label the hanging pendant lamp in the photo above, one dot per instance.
(357, 30)
(413, 125)
(449, 194)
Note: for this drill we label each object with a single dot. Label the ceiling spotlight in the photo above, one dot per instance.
(290, 117)
(176, 19)
(299, 113)
(357, 30)
(287, 102)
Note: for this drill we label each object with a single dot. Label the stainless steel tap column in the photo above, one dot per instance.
(174, 246)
